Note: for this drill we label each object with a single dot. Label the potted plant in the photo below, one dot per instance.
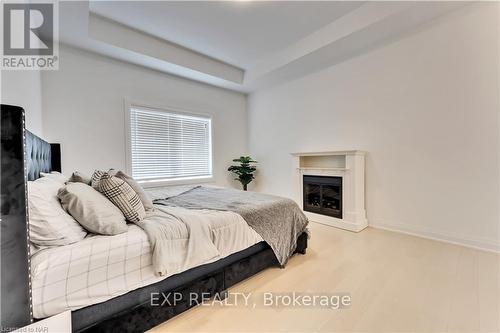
(245, 170)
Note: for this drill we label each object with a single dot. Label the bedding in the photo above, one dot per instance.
(156, 193)
(279, 221)
(50, 224)
(92, 209)
(203, 245)
(99, 268)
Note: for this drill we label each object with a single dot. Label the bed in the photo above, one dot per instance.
(107, 281)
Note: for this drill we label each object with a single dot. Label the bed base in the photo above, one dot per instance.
(211, 279)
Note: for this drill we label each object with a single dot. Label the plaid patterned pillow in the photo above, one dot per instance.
(121, 194)
(96, 177)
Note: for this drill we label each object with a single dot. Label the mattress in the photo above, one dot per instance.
(99, 268)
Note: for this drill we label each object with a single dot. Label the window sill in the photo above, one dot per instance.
(178, 181)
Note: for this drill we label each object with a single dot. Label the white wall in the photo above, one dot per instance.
(84, 110)
(23, 88)
(425, 108)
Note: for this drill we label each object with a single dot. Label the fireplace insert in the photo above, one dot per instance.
(323, 195)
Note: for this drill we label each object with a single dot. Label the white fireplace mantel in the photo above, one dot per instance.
(348, 164)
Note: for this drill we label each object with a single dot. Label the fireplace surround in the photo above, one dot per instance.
(330, 186)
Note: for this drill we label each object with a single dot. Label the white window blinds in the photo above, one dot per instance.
(167, 145)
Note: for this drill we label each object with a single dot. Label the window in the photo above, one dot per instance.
(167, 145)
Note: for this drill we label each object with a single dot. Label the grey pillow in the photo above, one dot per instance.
(121, 194)
(78, 177)
(92, 209)
(145, 199)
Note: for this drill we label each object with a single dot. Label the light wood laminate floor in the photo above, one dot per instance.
(397, 282)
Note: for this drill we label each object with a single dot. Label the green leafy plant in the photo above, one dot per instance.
(245, 170)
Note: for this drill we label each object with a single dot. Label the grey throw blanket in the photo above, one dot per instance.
(279, 221)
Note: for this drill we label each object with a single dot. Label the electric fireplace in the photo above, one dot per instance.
(331, 187)
(323, 195)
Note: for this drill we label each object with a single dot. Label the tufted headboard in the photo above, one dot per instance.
(15, 309)
(41, 156)
(23, 156)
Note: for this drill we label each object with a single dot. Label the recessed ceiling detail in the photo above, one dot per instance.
(242, 46)
(122, 36)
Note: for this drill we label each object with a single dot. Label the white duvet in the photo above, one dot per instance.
(98, 268)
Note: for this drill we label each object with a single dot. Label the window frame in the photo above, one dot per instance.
(128, 105)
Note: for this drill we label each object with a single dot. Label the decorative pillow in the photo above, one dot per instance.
(57, 176)
(145, 199)
(92, 209)
(121, 194)
(49, 223)
(97, 175)
(78, 177)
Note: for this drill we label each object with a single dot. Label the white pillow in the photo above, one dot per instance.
(49, 223)
(92, 209)
(57, 176)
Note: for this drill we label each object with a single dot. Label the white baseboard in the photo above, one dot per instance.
(479, 244)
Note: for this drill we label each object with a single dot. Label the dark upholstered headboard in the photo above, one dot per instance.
(15, 279)
(41, 156)
(23, 157)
